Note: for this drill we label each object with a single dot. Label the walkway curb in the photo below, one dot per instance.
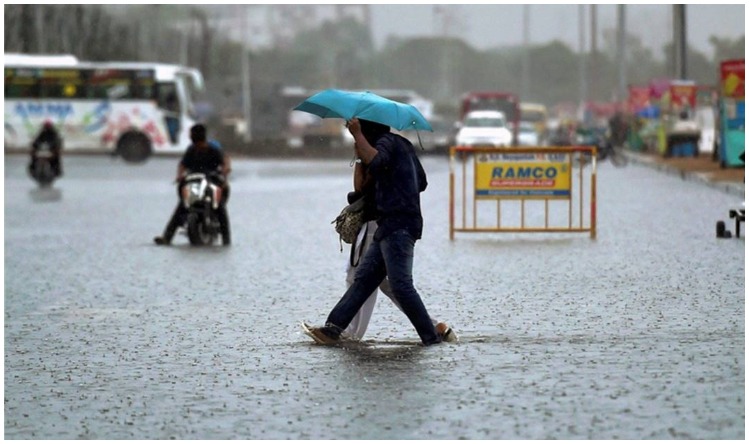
(734, 188)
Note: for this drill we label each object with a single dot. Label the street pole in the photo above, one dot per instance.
(246, 92)
(583, 79)
(593, 65)
(41, 47)
(183, 47)
(526, 68)
(680, 42)
(621, 53)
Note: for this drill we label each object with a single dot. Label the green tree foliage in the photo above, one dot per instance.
(726, 49)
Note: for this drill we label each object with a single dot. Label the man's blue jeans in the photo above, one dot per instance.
(392, 257)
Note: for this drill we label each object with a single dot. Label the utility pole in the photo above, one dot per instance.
(40, 46)
(583, 73)
(526, 67)
(184, 39)
(680, 42)
(621, 53)
(245, 59)
(593, 65)
(440, 14)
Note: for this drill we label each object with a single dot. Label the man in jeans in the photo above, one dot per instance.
(399, 178)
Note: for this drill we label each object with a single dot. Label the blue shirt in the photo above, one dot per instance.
(399, 180)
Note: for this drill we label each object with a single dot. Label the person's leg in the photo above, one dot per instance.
(369, 274)
(174, 222)
(387, 290)
(223, 219)
(172, 125)
(223, 215)
(397, 252)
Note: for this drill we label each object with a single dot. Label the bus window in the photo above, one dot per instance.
(20, 83)
(144, 84)
(60, 83)
(55, 89)
(167, 97)
(120, 84)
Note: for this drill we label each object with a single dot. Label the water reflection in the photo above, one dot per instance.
(47, 194)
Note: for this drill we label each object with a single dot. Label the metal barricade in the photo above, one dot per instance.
(529, 184)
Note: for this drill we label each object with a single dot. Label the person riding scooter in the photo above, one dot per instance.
(201, 157)
(47, 139)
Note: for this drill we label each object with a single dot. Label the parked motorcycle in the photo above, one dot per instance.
(41, 168)
(201, 197)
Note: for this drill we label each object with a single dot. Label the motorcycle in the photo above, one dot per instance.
(201, 197)
(41, 168)
(602, 140)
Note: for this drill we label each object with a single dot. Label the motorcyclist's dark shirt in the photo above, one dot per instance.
(399, 180)
(50, 137)
(203, 160)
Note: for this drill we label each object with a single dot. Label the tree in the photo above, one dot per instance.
(726, 48)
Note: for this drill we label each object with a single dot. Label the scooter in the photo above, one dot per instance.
(41, 168)
(201, 198)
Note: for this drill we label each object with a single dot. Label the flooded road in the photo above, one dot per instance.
(638, 334)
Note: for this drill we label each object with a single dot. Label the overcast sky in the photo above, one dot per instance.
(491, 25)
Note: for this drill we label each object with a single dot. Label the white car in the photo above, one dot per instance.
(484, 128)
(528, 136)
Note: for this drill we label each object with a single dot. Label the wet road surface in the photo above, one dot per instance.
(638, 334)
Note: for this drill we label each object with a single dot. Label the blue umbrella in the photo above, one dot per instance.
(365, 105)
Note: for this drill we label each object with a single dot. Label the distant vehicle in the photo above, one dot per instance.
(505, 102)
(437, 141)
(484, 128)
(42, 170)
(131, 109)
(536, 114)
(304, 129)
(528, 135)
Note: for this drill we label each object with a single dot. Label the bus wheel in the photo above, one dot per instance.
(134, 147)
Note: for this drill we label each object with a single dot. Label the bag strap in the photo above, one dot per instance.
(353, 247)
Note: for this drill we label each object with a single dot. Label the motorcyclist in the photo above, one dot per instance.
(618, 129)
(201, 157)
(48, 138)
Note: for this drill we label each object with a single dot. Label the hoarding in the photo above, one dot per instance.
(522, 176)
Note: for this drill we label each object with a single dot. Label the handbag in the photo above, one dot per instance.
(349, 221)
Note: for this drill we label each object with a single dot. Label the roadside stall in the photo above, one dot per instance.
(645, 120)
(682, 130)
(706, 114)
(731, 113)
(660, 97)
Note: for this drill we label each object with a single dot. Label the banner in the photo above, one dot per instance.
(683, 95)
(639, 98)
(522, 176)
(732, 78)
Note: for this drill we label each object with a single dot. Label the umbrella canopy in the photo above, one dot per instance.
(365, 105)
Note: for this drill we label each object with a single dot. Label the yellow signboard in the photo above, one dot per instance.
(522, 176)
